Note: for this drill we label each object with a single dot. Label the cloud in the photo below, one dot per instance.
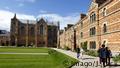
(5, 18)
(43, 11)
(64, 20)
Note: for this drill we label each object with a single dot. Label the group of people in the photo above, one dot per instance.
(104, 54)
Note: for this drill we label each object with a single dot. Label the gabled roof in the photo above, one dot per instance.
(93, 5)
(38, 20)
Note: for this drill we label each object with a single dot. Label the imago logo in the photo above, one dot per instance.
(87, 64)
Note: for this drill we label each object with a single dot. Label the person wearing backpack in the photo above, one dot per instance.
(108, 56)
(103, 55)
(78, 52)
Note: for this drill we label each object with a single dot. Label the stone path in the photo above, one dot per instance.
(26, 53)
(86, 61)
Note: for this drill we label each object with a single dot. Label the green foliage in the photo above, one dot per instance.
(67, 48)
(84, 46)
(91, 53)
(23, 50)
(65, 60)
(116, 58)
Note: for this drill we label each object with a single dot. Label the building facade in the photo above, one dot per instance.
(33, 33)
(100, 25)
(4, 38)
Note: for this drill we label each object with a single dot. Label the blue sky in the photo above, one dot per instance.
(65, 11)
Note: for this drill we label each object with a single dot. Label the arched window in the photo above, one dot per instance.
(92, 44)
(32, 31)
(92, 17)
(41, 29)
(81, 24)
(92, 31)
(104, 11)
(104, 28)
(81, 34)
(22, 32)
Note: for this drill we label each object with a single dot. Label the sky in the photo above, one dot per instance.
(64, 11)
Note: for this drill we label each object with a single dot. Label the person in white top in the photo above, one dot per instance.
(81, 50)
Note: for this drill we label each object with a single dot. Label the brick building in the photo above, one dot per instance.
(4, 38)
(38, 33)
(100, 25)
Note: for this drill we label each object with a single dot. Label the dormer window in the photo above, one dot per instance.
(92, 17)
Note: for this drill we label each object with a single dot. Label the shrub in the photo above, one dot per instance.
(67, 48)
(116, 58)
(91, 53)
(84, 46)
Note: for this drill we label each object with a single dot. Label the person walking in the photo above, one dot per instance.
(103, 55)
(99, 55)
(108, 56)
(78, 52)
(81, 52)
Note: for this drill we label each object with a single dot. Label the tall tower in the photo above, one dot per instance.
(14, 31)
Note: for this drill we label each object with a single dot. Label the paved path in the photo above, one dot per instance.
(85, 61)
(26, 53)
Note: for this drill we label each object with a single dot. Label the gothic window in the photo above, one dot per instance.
(22, 32)
(104, 28)
(32, 31)
(92, 45)
(13, 25)
(92, 17)
(41, 29)
(81, 34)
(92, 31)
(104, 12)
(81, 24)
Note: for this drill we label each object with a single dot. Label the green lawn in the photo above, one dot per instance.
(53, 60)
(24, 50)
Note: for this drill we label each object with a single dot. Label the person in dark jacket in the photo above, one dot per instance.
(78, 52)
(108, 55)
(103, 55)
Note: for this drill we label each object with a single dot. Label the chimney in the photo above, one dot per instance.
(99, 2)
(82, 16)
(65, 28)
(69, 25)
